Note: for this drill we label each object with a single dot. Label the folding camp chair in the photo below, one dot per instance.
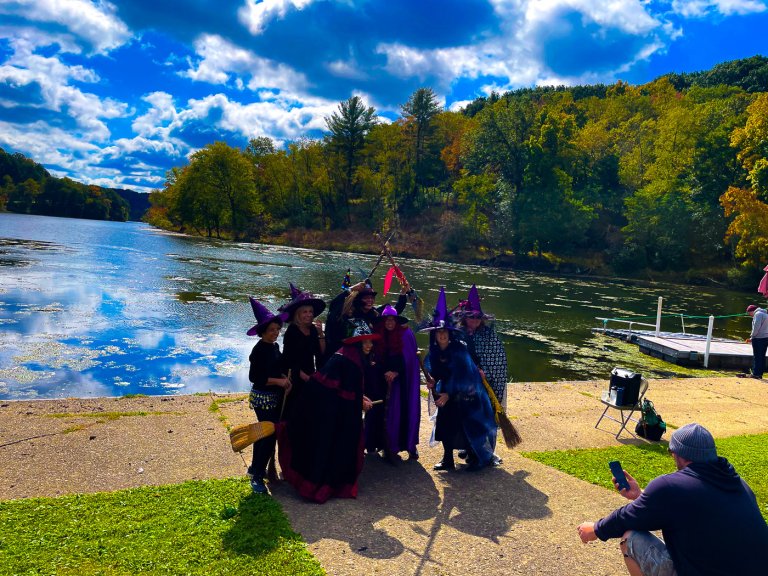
(629, 409)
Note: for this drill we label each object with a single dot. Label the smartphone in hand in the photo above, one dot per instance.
(618, 473)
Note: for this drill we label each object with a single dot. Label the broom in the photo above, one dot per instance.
(246, 434)
(511, 435)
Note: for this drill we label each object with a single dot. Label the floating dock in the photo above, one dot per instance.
(687, 349)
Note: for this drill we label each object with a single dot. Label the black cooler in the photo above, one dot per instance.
(627, 385)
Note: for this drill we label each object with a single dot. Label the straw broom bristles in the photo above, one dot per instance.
(511, 435)
(246, 434)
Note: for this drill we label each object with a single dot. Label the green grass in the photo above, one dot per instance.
(202, 527)
(747, 454)
(215, 408)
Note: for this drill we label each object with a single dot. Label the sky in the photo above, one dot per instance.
(117, 93)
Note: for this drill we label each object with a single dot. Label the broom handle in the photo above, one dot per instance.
(496, 405)
(387, 252)
(282, 408)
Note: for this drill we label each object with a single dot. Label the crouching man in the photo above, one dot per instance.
(708, 516)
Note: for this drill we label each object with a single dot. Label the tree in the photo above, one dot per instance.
(418, 114)
(747, 229)
(224, 172)
(659, 227)
(751, 141)
(348, 128)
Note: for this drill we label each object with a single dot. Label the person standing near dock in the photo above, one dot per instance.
(759, 340)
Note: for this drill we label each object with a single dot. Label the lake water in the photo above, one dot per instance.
(92, 308)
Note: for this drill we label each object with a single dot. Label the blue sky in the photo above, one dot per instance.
(116, 93)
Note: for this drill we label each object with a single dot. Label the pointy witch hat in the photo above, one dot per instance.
(263, 317)
(470, 308)
(390, 312)
(300, 298)
(360, 332)
(440, 318)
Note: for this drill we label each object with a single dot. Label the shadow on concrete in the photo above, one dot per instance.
(484, 504)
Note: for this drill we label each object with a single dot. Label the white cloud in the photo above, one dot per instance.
(346, 69)
(256, 14)
(514, 55)
(161, 113)
(95, 22)
(630, 16)
(222, 59)
(458, 105)
(702, 8)
(280, 119)
(24, 70)
(447, 63)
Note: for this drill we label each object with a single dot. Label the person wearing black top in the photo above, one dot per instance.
(269, 386)
(303, 341)
(348, 307)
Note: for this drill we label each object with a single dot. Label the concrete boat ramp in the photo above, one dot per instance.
(687, 349)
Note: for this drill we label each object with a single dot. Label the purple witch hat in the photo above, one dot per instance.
(440, 318)
(390, 312)
(470, 308)
(300, 298)
(263, 318)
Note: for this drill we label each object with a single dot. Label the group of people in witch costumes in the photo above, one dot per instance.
(366, 361)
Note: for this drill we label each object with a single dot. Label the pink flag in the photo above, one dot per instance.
(388, 280)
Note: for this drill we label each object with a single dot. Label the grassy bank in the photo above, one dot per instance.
(210, 527)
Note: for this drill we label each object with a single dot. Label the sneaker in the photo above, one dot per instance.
(258, 486)
(496, 461)
(462, 454)
(443, 465)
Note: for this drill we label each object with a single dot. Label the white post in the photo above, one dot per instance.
(658, 317)
(709, 341)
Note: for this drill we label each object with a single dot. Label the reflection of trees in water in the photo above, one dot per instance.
(485, 504)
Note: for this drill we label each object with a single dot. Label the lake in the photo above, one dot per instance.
(91, 308)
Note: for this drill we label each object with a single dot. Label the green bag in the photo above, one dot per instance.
(651, 425)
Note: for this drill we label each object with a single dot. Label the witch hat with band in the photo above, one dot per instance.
(390, 312)
(366, 290)
(360, 332)
(300, 298)
(470, 308)
(440, 317)
(263, 317)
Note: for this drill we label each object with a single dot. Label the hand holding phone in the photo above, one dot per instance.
(618, 473)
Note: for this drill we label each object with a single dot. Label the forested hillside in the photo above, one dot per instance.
(667, 176)
(27, 188)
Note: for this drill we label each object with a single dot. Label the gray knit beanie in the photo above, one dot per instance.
(693, 442)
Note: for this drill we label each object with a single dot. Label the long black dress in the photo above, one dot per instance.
(301, 353)
(321, 444)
